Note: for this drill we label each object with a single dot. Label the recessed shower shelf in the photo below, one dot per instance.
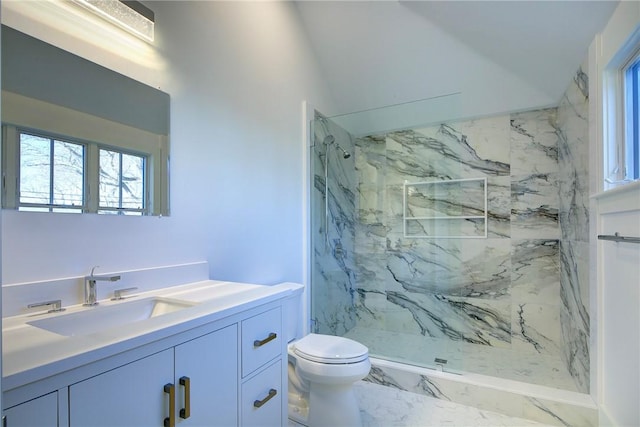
(452, 209)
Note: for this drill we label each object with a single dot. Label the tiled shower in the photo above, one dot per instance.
(503, 288)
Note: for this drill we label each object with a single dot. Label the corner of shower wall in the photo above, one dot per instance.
(573, 146)
(332, 228)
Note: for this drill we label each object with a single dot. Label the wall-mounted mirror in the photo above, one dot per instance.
(78, 137)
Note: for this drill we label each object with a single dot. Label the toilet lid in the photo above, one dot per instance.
(330, 349)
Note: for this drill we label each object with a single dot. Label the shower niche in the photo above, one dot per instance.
(453, 209)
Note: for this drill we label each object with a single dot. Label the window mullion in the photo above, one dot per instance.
(92, 178)
(10, 167)
(633, 146)
(52, 153)
(120, 180)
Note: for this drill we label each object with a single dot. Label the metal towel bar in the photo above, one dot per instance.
(618, 238)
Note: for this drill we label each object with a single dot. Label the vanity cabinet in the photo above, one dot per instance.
(228, 372)
(192, 384)
(39, 412)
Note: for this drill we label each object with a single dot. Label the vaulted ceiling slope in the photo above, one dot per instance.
(502, 55)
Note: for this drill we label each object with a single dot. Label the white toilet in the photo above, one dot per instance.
(322, 370)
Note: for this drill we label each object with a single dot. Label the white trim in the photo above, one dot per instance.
(609, 50)
(307, 181)
(618, 46)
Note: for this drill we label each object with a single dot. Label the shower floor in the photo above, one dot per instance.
(464, 357)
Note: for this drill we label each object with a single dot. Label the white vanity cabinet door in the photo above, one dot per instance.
(39, 412)
(132, 395)
(211, 365)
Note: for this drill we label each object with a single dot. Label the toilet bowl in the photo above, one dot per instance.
(322, 370)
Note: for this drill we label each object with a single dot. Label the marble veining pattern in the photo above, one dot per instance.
(516, 298)
(534, 133)
(557, 411)
(333, 241)
(389, 407)
(574, 223)
(534, 206)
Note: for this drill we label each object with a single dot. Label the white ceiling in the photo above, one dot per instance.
(502, 55)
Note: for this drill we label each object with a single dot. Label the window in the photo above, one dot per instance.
(121, 183)
(55, 174)
(631, 157)
(51, 174)
(621, 115)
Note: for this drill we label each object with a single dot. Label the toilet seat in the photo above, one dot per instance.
(330, 349)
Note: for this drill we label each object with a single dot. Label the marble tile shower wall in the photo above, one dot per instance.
(520, 294)
(573, 159)
(332, 235)
(503, 291)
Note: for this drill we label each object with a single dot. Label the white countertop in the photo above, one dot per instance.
(30, 353)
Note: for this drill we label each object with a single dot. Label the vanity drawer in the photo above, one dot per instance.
(261, 339)
(262, 398)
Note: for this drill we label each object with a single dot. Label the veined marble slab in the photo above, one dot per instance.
(534, 206)
(541, 405)
(534, 142)
(574, 222)
(519, 294)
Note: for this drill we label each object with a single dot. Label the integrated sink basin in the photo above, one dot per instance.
(98, 318)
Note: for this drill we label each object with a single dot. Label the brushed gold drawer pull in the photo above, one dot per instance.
(259, 343)
(170, 389)
(259, 403)
(186, 411)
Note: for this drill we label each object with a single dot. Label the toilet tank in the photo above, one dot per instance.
(292, 312)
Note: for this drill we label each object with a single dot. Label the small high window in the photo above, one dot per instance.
(621, 114)
(631, 150)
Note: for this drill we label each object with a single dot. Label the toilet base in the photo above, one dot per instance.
(333, 406)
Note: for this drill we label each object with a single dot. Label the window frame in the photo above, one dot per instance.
(630, 155)
(36, 116)
(52, 207)
(91, 167)
(620, 133)
(145, 193)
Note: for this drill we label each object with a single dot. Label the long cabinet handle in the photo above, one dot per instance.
(186, 411)
(259, 343)
(170, 389)
(259, 403)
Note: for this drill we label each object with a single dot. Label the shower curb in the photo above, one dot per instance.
(537, 403)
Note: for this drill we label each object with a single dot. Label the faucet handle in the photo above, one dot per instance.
(117, 294)
(56, 305)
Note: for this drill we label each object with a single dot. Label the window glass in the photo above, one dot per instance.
(631, 147)
(121, 183)
(35, 176)
(68, 168)
(51, 174)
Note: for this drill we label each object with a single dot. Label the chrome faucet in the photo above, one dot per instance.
(90, 287)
